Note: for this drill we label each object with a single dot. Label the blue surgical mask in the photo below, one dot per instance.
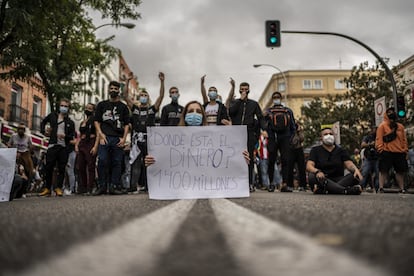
(143, 100)
(63, 109)
(212, 95)
(175, 97)
(194, 119)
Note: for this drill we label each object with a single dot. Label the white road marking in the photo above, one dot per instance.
(265, 247)
(139, 242)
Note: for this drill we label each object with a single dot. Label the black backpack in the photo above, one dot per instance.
(279, 118)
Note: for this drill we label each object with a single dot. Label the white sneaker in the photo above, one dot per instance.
(67, 192)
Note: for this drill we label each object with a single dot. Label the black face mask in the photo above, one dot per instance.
(88, 112)
(392, 116)
(113, 94)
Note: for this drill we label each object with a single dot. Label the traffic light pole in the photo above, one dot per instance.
(387, 70)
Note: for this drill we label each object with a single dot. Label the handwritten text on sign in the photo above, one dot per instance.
(197, 162)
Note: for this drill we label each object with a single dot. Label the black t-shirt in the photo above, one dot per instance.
(370, 152)
(330, 163)
(170, 114)
(112, 116)
(142, 117)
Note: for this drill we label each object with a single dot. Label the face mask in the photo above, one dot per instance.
(328, 140)
(63, 109)
(88, 112)
(392, 116)
(20, 132)
(175, 97)
(113, 94)
(143, 100)
(277, 102)
(212, 95)
(194, 119)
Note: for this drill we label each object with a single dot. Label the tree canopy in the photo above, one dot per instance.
(354, 110)
(55, 40)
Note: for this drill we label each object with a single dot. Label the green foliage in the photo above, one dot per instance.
(55, 40)
(354, 110)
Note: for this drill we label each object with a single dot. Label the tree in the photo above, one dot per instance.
(354, 109)
(55, 40)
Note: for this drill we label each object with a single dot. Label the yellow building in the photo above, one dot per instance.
(300, 87)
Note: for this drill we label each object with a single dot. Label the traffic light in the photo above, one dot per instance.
(401, 107)
(273, 33)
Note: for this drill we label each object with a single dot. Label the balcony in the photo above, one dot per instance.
(18, 114)
(36, 120)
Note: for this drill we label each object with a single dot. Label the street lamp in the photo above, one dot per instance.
(281, 72)
(126, 25)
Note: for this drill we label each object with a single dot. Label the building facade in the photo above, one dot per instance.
(300, 87)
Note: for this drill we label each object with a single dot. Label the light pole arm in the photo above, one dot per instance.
(384, 65)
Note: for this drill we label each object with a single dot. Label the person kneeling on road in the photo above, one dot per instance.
(326, 168)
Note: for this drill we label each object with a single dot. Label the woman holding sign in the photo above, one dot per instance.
(194, 115)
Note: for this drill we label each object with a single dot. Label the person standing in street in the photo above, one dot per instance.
(370, 160)
(391, 144)
(171, 113)
(23, 143)
(143, 115)
(244, 111)
(61, 134)
(281, 128)
(87, 148)
(112, 126)
(216, 112)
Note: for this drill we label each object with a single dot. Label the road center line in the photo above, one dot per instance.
(265, 247)
(139, 242)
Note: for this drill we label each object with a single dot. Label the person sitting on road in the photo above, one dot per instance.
(326, 168)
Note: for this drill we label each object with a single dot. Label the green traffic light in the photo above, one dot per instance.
(401, 113)
(273, 40)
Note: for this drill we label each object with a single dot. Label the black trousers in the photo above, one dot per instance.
(56, 156)
(296, 156)
(282, 145)
(335, 185)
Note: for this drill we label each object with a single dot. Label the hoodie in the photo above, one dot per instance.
(399, 144)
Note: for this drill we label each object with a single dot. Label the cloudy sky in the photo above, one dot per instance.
(223, 38)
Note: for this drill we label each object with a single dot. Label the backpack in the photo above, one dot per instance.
(279, 118)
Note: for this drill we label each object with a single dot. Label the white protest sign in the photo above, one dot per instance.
(197, 162)
(7, 169)
(379, 105)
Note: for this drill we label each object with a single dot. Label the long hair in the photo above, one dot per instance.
(182, 118)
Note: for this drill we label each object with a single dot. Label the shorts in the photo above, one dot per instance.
(396, 160)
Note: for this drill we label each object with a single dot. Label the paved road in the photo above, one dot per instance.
(266, 234)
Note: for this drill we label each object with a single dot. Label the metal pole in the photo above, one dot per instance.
(384, 65)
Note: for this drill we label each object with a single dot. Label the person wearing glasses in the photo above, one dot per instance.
(62, 138)
(326, 165)
(170, 114)
(112, 126)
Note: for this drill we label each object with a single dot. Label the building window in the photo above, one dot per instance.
(339, 84)
(281, 87)
(307, 84)
(317, 84)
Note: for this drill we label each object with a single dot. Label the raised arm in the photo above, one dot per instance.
(162, 90)
(203, 90)
(125, 93)
(231, 94)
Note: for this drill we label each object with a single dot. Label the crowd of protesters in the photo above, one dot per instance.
(97, 159)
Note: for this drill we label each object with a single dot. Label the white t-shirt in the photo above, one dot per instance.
(211, 114)
(21, 143)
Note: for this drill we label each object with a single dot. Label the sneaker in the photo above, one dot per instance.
(45, 192)
(354, 190)
(286, 189)
(381, 191)
(59, 192)
(271, 188)
(115, 192)
(402, 191)
(252, 189)
(99, 192)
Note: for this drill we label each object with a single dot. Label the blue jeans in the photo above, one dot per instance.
(368, 168)
(263, 172)
(110, 164)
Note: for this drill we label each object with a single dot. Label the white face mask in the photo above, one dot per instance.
(328, 139)
(277, 102)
